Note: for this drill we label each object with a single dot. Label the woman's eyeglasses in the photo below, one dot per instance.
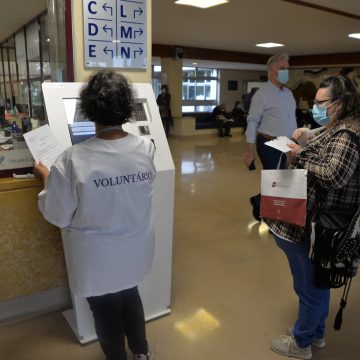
(320, 102)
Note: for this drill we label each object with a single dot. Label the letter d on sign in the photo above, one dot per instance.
(93, 29)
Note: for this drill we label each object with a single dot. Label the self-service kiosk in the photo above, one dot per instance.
(70, 127)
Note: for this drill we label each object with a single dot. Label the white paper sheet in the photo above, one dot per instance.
(280, 143)
(43, 145)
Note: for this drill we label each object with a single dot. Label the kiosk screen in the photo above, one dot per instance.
(79, 127)
(139, 113)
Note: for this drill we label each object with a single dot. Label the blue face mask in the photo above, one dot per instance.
(320, 115)
(283, 76)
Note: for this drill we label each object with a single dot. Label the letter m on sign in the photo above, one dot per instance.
(126, 33)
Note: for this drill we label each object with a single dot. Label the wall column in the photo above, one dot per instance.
(171, 70)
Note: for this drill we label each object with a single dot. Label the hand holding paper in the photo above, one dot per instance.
(280, 143)
(292, 154)
(43, 145)
(40, 170)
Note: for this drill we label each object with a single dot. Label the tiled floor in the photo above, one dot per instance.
(231, 286)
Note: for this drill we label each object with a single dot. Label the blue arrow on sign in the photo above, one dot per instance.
(106, 51)
(140, 51)
(105, 7)
(139, 12)
(106, 28)
(140, 32)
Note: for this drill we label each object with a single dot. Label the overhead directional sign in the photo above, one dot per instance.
(115, 33)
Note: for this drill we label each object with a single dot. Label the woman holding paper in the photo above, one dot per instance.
(99, 192)
(332, 161)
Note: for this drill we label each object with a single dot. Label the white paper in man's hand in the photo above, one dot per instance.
(43, 145)
(280, 143)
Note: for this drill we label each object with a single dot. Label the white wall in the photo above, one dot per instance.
(241, 76)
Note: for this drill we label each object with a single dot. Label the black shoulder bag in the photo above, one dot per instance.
(336, 248)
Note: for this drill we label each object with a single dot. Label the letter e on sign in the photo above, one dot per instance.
(92, 50)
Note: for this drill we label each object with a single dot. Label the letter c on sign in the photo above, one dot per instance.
(89, 7)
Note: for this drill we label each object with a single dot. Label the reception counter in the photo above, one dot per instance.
(31, 254)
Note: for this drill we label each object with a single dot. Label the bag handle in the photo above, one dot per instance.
(343, 303)
(279, 163)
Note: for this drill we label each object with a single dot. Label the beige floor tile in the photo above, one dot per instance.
(231, 286)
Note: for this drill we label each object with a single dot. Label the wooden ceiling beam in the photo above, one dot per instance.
(209, 54)
(323, 8)
(251, 58)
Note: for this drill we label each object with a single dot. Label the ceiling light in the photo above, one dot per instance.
(204, 4)
(269, 45)
(355, 35)
(194, 63)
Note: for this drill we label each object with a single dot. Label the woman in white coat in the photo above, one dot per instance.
(99, 192)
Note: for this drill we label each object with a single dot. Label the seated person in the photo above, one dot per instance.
(238, 114)
(223, 120)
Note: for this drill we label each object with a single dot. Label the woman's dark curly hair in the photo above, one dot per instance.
(107, 99)
(342, 89)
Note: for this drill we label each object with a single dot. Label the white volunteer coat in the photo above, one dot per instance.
(99, 192)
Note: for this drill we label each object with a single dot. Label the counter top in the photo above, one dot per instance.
(7, 184)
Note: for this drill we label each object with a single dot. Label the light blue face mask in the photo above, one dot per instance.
(283, 76)
(320, 115)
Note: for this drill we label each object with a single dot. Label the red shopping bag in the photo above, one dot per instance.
(284, 195)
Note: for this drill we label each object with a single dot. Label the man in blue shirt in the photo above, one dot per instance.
(271, 114)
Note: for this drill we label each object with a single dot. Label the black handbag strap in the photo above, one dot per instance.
(355, 138)
(347, 277)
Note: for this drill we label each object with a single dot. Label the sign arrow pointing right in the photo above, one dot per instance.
(140, 51)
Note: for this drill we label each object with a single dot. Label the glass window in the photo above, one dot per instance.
(199, 90)
(2, 84)
(206, 73)
(13, 78)
(8, 92)
(24, 65)
(23, 98)
(35, 74)
(45, 49)
(156, 79)
(189, 72)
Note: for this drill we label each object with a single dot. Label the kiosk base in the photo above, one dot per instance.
(69, 316)
(157, 315)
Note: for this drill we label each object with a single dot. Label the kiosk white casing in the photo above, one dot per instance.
(156, 287)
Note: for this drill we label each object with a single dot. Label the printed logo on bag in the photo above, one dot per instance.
(278, 184)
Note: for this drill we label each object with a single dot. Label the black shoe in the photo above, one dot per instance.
(256, 207)
(228, 135)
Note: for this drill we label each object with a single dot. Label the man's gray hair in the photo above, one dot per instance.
(275, 58)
